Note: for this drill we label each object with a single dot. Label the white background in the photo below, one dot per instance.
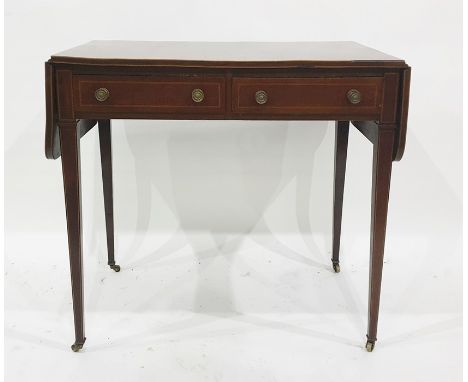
(224, 228)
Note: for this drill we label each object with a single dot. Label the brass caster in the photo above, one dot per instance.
(370, 346)
(336, 267)
(77, 346)
(115, 267)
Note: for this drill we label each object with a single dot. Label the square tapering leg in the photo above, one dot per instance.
(106, 168)
(381, 174)
(70, 148)
(341, 150)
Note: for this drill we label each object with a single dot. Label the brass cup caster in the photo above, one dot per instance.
(336, 267)
(77, 346)
(370, 346)
(115, 267)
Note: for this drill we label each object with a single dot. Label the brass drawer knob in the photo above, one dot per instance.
(101, 94)
(354, 96)
(261, 97)
(197, 95)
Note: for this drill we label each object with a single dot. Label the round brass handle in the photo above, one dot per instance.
(101, 94)
(197, 95)
(261, 97)
(354, 96)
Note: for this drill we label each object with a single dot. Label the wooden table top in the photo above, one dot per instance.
(234, 54)
(304, 59)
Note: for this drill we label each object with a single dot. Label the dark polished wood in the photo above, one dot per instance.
(308, 96)
(341, 152)
(148, 95)
(106, 168)
(232, 54)
(403, 106)
(70, 145)
(339, 81)
(367, 128)
(381, 174)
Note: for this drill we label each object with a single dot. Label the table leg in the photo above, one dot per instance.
(381, 174)
(106, 167)
(70, 148)
(341, 150)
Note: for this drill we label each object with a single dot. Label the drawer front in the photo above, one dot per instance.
(350, 97)
(133, 94)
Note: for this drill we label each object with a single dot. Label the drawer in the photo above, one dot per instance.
(350, 97)
(138, 94)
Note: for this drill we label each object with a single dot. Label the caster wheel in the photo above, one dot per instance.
(76, 347)
(370, 346)
(115, 267)
(336, 267)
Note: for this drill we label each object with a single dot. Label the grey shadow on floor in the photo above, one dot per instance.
(220, 178)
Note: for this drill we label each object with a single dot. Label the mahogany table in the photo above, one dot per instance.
(340, 81)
